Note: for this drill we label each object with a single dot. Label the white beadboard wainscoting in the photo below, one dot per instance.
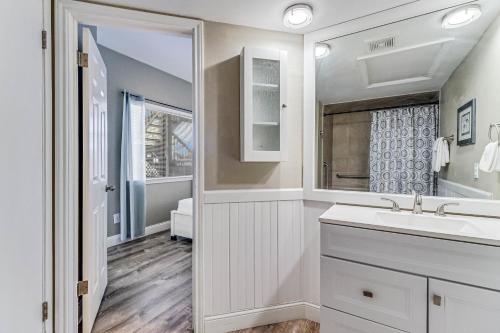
(253, 258)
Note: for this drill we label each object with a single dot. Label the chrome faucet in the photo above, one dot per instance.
(417, 203)
(395, 206)
(440, 209)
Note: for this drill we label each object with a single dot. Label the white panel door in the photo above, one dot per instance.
(456, 308)
(22, 166)
(94, 158)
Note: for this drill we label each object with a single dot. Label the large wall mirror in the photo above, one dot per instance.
(412, 106)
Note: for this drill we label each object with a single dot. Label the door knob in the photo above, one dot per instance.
(109, 188)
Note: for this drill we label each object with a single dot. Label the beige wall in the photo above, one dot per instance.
(477, 77)
(223, 169)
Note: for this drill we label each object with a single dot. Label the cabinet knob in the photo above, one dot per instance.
(367, 293)
(283, 106)
(436, 300)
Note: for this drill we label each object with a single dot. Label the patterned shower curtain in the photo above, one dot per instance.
(401, 150)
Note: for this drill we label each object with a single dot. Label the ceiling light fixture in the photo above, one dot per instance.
(321, 50)
(461, 16)
(297, 16)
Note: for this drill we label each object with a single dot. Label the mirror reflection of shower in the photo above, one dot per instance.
(410, 111)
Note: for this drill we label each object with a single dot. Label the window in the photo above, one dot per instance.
(169, 142)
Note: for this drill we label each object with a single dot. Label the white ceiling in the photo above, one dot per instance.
(267, 14)
(423, 58)
(169, 53)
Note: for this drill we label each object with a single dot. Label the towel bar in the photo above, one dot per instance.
(344, 175)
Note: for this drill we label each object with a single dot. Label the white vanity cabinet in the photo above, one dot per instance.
(263, 105)
(374, 281)
(456, 308)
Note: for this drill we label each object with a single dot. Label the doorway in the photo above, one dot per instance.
(148, 233)
(136, 194)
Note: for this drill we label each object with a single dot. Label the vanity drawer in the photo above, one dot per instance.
(338, 322)
(387, 297)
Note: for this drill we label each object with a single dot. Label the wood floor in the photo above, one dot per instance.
(149, 287)
(295, 326)
(149, 290)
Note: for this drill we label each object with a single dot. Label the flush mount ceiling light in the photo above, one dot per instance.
(461, 16)
(321, 50)
(297, 16)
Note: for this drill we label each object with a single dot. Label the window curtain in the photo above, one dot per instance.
(133, 172)
(401, 150)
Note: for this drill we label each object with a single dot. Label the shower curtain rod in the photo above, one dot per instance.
(378, 109)
(160, 103)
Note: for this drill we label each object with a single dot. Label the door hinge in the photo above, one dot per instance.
(82, 288)
(45, 311)
(44, 39)
(83, 59)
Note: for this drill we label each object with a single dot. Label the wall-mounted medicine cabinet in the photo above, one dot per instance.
(263, 105)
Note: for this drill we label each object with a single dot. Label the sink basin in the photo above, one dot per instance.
(427, 222)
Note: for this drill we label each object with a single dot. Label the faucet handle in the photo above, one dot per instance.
(395, 205)
(440, 209)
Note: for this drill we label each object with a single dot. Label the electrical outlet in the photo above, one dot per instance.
(116, 218)
(476, 170)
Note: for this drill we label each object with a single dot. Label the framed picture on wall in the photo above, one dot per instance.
(466, 124)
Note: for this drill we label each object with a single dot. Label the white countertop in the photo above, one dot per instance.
(471, 229)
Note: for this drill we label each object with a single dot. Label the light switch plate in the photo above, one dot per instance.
(116, 218)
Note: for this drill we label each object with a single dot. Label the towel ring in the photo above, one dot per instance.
(498, 132)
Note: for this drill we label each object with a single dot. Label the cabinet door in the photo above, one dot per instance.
(456, 308)
(263, 105)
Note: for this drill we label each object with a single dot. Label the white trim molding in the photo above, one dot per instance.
(478, 207)
(162, 180)
(68, 14)
(220, 196)
(150, 230)
(263, 316)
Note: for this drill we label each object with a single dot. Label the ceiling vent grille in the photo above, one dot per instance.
(381, 44)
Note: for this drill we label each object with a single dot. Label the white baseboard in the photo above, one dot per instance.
(152, 229)
(312, 312)
(264, 316)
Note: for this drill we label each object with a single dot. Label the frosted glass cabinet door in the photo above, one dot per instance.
(263, 105)
(456, 308)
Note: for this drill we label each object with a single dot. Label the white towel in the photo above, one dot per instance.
(490, 161)
(445, 159)
(440, 154)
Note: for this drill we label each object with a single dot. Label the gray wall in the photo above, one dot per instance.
(127, 73)
(162, 198)
(223, 169)
(477, 77)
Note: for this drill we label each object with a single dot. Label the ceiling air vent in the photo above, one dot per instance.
(381, 44)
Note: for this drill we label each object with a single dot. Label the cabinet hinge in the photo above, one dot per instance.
(44, 39)
(82, 288)
(83, 59)
(45, 311)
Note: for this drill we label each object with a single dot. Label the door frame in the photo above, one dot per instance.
(68, 14)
